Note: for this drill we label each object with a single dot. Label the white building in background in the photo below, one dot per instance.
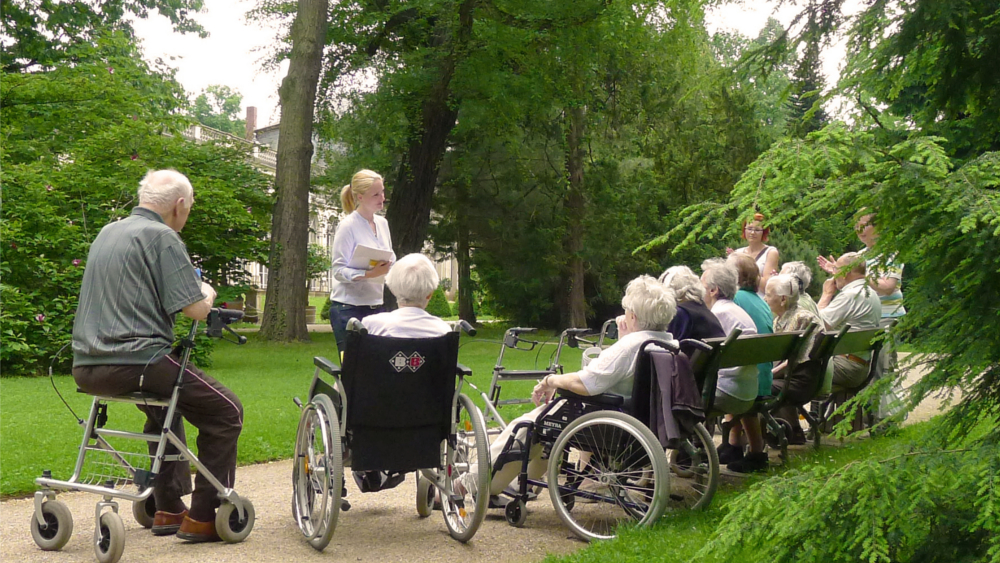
(324, 215)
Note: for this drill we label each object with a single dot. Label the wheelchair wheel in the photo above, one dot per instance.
(425, 496)
(515, 513)
(109, 538)
(58, 526)
(318, 472)
(232, 526)
(695, 467)
(144, 511)
(470, 452)
(614, 470)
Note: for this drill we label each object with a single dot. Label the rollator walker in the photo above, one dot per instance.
(115, 473)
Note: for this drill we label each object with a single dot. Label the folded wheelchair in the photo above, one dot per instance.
(393, 406)
(605, 465)
(109, 467)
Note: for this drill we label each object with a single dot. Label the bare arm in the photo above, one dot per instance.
(884, 286)
(547, 387)
(199, 309)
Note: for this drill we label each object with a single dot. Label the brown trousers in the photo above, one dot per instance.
(207, 404)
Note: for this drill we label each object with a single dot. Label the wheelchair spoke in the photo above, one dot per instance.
(607, 474)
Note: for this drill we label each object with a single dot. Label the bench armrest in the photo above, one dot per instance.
(326, 365)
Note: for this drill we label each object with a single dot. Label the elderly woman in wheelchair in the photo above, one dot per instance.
(593, 453)
(395, 407)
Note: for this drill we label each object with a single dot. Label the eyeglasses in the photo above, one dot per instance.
(754, 230)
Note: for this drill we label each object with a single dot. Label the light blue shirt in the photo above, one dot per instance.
(349, 284)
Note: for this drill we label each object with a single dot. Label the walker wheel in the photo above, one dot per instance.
(232, 526)
(58, 526)
(144, 511)
(109, 538)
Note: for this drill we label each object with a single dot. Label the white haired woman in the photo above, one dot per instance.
(693, 318)
(412, 280)
(737, 387)
(803, 275)
(782, 296)
(649, 308)
(358, 292)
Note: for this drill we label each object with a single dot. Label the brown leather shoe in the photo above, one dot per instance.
(167, 523)
(197, 532)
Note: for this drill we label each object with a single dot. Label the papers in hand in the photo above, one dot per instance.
(366, 258)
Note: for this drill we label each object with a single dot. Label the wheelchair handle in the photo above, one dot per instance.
(464, 326)
(355, 325)
(522, 330)
(219, 320)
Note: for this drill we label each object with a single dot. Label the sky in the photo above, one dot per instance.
(231, 55)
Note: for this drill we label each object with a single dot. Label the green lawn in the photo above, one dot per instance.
(37, 432)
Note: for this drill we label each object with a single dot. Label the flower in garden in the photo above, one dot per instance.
(249, 209)
(40, 317)
(69, 222)
(13, 245)
(135, 155)
(111, 70)
(76, 261)
(48, 188)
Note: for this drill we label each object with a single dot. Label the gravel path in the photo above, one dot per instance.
(380, 527)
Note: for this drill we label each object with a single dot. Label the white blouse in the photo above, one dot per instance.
(349, 284)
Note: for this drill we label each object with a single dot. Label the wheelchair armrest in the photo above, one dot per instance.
(463, 370)
(605, 399)
(326, 365)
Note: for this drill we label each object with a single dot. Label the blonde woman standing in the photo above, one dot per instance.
(356, 292)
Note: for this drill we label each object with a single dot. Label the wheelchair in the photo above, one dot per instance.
(605, 466)
(393, 406)
(114, 472)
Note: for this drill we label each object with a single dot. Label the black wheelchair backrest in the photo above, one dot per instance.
(399, 398)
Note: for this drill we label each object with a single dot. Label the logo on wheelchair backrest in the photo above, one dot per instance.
(401, 361)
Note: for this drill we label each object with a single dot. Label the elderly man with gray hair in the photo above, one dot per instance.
(412, 279)
(138, 277)
(848, 299)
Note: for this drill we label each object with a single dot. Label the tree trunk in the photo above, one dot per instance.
(574, 313)
(410, 210)
(287, 296)
(466, 308)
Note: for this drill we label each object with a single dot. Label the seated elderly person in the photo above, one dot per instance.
(693, 318)
(412, 279)
(782, 296)
(848, 299)
(649, 308)
(737, 387)
(803, 276)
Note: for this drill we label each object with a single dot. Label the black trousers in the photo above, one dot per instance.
(207, 404)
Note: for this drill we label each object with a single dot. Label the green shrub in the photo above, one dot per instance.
(438, 305)
(324, 312)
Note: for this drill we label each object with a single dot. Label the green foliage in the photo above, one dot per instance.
(933, 63)
(438, 305)
(219, 107)
(922, 505)
(77, 139)
(324, 311)
(318, 260)
(38, 35)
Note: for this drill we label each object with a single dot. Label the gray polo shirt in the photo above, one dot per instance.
(138, 276)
